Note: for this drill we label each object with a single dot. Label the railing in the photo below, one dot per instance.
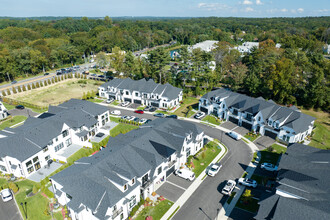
(117, 212)
(171, 163)
(146, 184)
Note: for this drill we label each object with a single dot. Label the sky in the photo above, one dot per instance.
(165, 8)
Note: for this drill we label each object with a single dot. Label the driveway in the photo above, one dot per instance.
(229, 125)
(241, 130)
(9, 210)
(25, 112)
(173, 188)
(264, 142)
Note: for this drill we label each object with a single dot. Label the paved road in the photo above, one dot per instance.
(26, 112)
(9, 211)
(207, 199)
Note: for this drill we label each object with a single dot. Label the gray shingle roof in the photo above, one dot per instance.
(303, 172)
(126, 156)
(143, 85)
(36, 133)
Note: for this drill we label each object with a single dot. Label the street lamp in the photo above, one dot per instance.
(24, 210)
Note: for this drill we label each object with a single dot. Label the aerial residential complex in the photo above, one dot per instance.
(109, 184)
(27, 148)
(302, 190)
(142, 92)
(3, 111)
(259, 115)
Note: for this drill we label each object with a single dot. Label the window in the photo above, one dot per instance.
(125, 187)
(59, 147)
(133, 181)
(56, 139)
(47, 158)
(68, 142)
(35, 159)
(159, 170)
(121, 216)
(65, 133)
(132, 201)
(114, 208)
(3, 168)
(30, 169)
(259, 118)
(45, 149)
(127, 93)
(136, 94)
(28, 164)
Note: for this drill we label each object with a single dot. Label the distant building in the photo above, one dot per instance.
(246, 47)
(206, 46)
(326, 49)
(278, 45)
(3, 111)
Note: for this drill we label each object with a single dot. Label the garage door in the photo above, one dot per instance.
(137, 101)
(155, 104)
(170, 171)
(127, 100)
(112, 96)
(234, 120)
(246, 125)
(203, 109)
(270, 134)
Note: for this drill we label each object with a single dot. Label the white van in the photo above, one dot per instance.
(234, 135)
(185, 174)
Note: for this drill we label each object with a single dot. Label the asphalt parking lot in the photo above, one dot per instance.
(264, 142)
(173, 188)
(229, 125)
(9, 211)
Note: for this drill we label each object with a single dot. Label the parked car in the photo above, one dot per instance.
(124, 117)
(94, 75)
(20, 107)
(6, 195)
(152, 109)
(13, 82)
(58, 72)
(247, 182)
(172, 116)
(124, 104)
(234, 135)
(268, 166)
(115, 112)
(148, 120)
(214, 169)
(85, 72)
(229, 187)
(199, 115)
(139, 111)
(110, 100)
(159, 115)
(130, 118)
(46, 74)
(136, 119)
(100, 134)
(143, 120)
(185, 174)
(101, 76)
(147, 108)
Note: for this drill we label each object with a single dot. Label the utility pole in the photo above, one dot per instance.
(8, 77)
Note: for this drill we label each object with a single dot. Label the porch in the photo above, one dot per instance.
(43, 172)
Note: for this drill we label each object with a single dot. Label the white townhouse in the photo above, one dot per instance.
(246, 47)
(27, 148)
(142, 92)
(206, 46)
(3, 111)
(133, 165)
(256, 114)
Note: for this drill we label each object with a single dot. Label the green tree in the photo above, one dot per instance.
(8, 92)
(101, 59)
(24, 88)
(14, 90)
(28, 87)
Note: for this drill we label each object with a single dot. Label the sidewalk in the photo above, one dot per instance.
(186, 195)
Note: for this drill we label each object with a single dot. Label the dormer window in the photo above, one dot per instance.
(133, 181)
(125, 187)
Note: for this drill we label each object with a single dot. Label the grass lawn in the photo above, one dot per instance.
(58, 215)
(8, 107)
(12, 121)
(203, 158)
(95, 100)
(211, 119)
(3, 181)
(278, 149)
(184, 108)
(231, 197)
(36, 205)
(57, 93)
(114, 119)
(273, 156)
(321, 137)
(115, 102)
(155, 211)
(141, 108)
(250, 205)
(122, 128)
(251, 137)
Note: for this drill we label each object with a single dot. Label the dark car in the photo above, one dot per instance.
(93, 74)
(19, 107)
(101, 76)
(139, 111)
(172, 116)
(159, 115)
(13, 82)
(46, 74)
(152, 109)
(100, 134)
(148, 120)
(109, 77)
(136, 119)
(58, 72)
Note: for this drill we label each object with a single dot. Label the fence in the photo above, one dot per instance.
(26, 104)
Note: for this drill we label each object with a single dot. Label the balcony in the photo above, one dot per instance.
(145, 184)
(250, 119)
(117, 212)
(170, 164)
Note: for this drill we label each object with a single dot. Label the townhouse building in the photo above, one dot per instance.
(3, 112)
(142, 92)
(256, 114)
(29, 147)
(133, 165)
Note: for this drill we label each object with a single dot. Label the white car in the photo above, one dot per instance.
(185, 174)
(130, 118)
(234, 135)
(214, 169)
(143, 120)
(110, 100)
(268, 166)
(229, 187)
(199, 115)
(115, 112)
(6, 195)
(247, 182)
(124, 104)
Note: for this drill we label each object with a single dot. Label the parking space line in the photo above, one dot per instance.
(176, 185)
(235, 128)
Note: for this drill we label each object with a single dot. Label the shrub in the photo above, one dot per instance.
(37, 85)
(45, 83)
(14, 90)
(203, 155)
(53, 80)
(3, 93)
(24, 88)
(13, 187)
(270, 149)
(49, 82)
(8, 92)
(19, 89)
(56, 79)
(34, 189)
(28, 87)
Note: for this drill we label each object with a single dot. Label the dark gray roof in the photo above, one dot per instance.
(126, 156)
(36, 133)
(304, 173)
(291, 117)
(145, 86)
